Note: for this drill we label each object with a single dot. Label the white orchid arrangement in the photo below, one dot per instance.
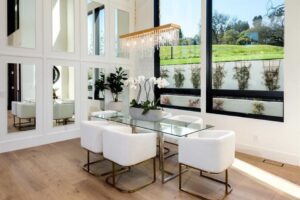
(149, 86)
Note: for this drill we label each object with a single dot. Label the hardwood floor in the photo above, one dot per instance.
(54, 172)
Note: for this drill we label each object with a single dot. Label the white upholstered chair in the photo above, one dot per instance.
(172, 139)
(210, 152)
(63, 111)
(127, 150)
(14, 112)
(26, 111)
(91, 139)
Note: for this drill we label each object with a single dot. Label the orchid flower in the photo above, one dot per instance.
(141, 79)
(162, 83)
(152, 80)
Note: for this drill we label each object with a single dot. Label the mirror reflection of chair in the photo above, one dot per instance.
(215, 154)
(25, 112)
(14, 111)
(128, 150)
(63, 112)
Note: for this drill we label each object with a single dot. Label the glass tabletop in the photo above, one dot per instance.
(166, 126)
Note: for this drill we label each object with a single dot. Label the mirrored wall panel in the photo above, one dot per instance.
(63, 95)
(21, 97)
(121, 28)
(63, 25)
(95, 27)
(96, 90)
(21, 23)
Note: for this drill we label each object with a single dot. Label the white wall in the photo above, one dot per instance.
(272, 140)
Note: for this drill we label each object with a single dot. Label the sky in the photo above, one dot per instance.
(187, 13)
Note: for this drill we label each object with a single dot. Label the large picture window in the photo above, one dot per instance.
(245, 46)
(180, 64)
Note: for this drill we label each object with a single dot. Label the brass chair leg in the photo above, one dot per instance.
(169, 156)
(115, 174)
(180, 169)
(228, 188)
(14, 121)
(86, 167)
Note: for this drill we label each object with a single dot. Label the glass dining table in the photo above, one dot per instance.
(165, 126)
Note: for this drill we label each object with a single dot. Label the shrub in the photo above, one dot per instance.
(271, 75)
(218, 75)
(196, 77)
(242, 74)
(258, 108)
(164, 73)
(218, 104)
(179, 77)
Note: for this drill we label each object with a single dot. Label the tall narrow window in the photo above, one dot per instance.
(180, 64)
(245, 58)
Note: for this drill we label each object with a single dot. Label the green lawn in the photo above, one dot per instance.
(221, 53)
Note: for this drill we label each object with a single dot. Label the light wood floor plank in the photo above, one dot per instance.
(53, 172)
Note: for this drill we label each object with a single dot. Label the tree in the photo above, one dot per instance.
(257, 21)
(238, 25)
(230, 36)
(196, 40)
(276, 16)
(219, 23)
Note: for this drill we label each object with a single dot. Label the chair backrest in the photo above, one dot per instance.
(91, 135)
(63, 110)
(212, 151)
(26, 110)
(128, 149)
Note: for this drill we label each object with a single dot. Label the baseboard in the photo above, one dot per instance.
(37, 140)
(269, 154)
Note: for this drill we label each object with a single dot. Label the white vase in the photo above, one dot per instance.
(151, 115)
(117, 106)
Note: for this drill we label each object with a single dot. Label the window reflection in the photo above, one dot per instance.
(96, 26)
(96, 90)
(121, 28)
(21, 17)
(63, 25)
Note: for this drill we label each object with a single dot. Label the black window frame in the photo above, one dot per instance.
(239, 94)
(170, 91)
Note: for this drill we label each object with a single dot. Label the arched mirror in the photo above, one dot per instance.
(21, 23)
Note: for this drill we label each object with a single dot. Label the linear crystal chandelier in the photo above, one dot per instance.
(146, 41)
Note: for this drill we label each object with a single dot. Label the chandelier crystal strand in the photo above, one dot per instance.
(144, 43)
